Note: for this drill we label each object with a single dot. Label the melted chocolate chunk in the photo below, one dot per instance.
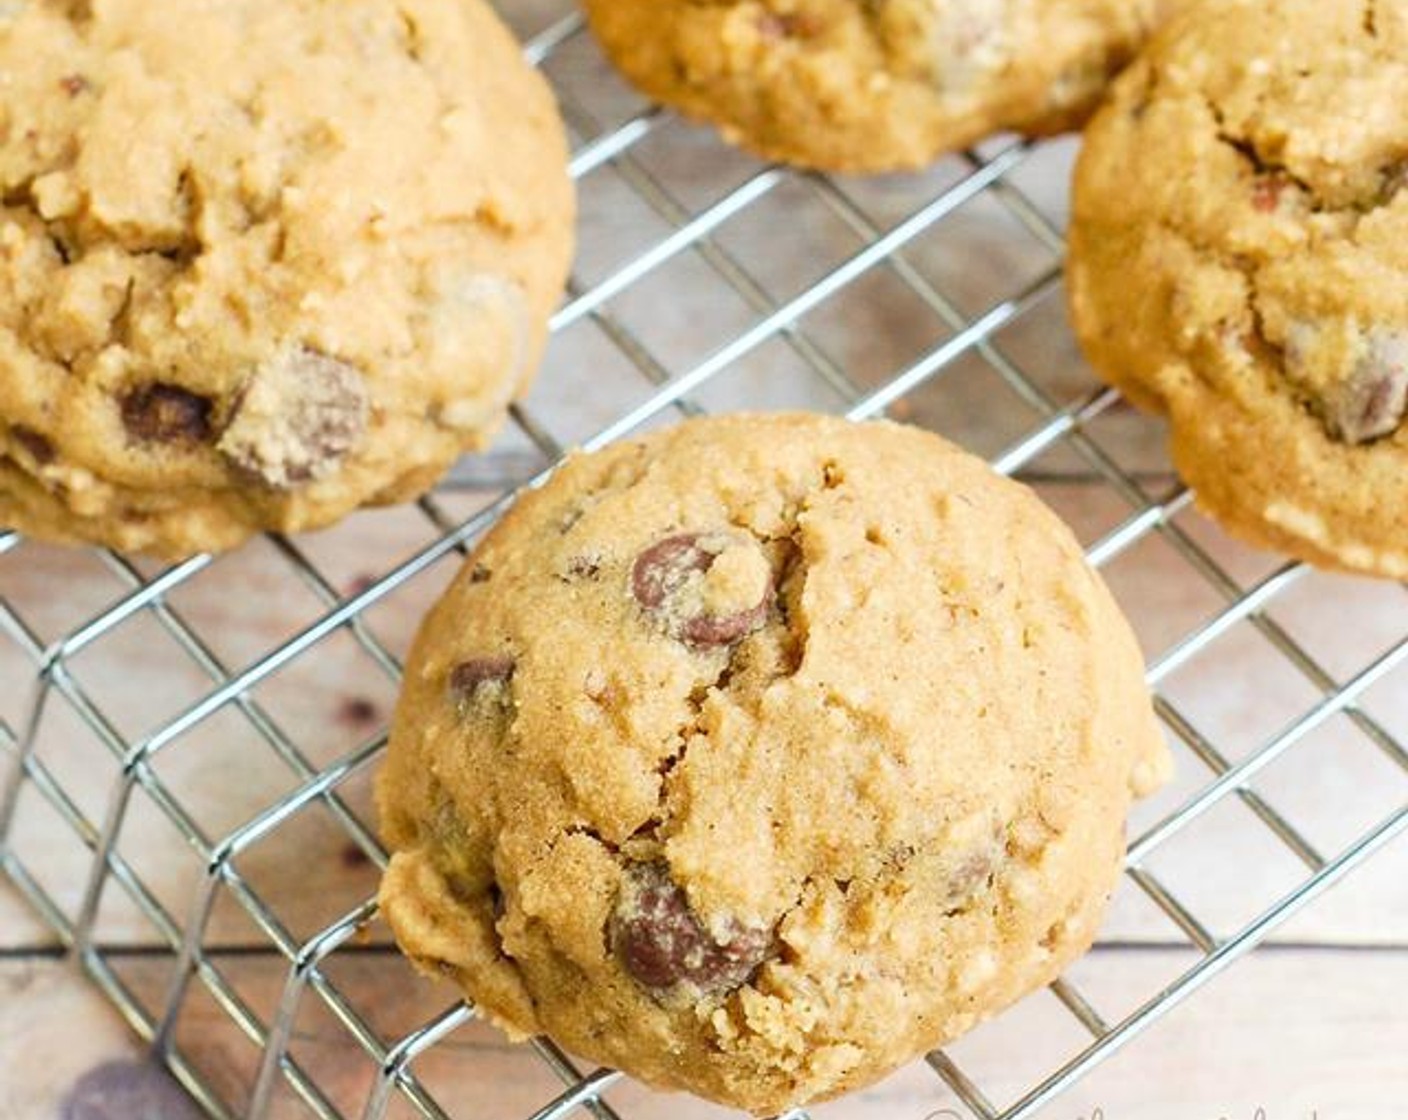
(709, 630)
(162, 413)
(663, 568)
(1373, 401)
(661, 942)
(469, 678)
(296, 419)
(1357, 379)
(663, 571)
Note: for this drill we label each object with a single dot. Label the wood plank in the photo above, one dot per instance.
(1294, 1032)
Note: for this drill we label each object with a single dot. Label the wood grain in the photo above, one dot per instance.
(1294, 1032)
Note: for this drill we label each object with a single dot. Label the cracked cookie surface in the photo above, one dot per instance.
(264, 263)
(761, 754)
(1239, 262)
(873, 85)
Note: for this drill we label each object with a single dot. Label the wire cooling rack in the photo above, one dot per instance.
(203, 840)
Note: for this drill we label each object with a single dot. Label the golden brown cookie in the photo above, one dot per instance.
(761, 754)
(1239, 261)
(873, 85)
(262, 263)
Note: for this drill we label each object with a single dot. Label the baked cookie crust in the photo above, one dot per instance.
(763, 754)
(873, 85)
(1239, 263)
(264, 262)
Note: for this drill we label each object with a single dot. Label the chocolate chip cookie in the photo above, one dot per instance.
(762, 754)
(1239, 262)
(264, 261)
(873, 85)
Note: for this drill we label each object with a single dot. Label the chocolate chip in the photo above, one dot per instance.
(662, 575)
(74, 84)
(162, 413)
(480, 574)
(661, 570)
(479, 675)
(38, 445)
(1373, 400)
(723, 630)
(661, 942)
(298, 416)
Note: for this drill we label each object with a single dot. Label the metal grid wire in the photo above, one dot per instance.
(279, 1077)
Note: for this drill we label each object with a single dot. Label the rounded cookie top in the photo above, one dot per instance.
(262, 263)
(873, 85)
(763, 753)
(1239, 261)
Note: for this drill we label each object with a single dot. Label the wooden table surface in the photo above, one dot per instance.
(1313, 1025)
